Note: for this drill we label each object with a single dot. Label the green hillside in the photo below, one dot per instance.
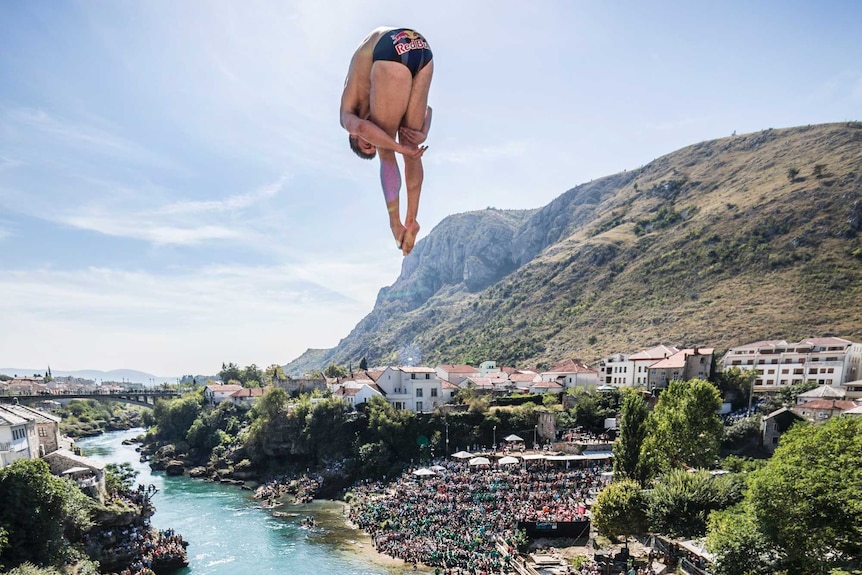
(744, 238)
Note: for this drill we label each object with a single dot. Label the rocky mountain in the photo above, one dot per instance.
(729, 241)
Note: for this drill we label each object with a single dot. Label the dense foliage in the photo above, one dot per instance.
(620, 509)
(803, 508)
(39, 514)
(680, 502)
(684, 428)
(633, 429)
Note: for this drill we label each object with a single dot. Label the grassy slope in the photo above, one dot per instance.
(711, 245)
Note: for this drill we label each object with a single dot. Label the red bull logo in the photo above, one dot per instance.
(407, 40)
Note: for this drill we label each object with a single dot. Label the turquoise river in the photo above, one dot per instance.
(229, 533)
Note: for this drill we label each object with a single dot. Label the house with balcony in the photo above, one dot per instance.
(778, 363)
(47, 426)
(17, 438)
(685, 364)
(417, 389)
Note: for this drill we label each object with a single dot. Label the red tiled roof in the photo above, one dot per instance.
(570, 366)
(657, 352)
(827, 404)
(249, 392)
(411, 369)
(448, 385)
(678, 359)
(459, 369)
(224, 388)
(547, 384)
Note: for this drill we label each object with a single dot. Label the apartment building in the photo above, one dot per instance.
(778, 363)
(418, 389)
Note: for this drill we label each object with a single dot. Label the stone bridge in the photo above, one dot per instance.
(144, 397)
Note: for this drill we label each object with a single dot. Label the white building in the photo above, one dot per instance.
(17, 438)
(683, 365)
(47, 426)
(623, 370)
(571, 373)
(357, 392)
(456, 373)
(417, 389)
(214, 393)
(778, 363)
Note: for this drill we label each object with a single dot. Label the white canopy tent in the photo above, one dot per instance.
(423, 472)
(480, 461)
(462, 455)
(508, 460)
(513, 438)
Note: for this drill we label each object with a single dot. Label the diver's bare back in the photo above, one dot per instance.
(357, 86)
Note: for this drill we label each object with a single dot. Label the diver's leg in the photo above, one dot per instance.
(390, 93)
(414, 173)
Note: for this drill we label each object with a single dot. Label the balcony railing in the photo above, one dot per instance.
(6, 446)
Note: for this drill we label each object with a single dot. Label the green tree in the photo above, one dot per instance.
(735, 385)
(684, 428)
(333, 371)
(680, 502)
(738, 544)
(251, 376)
(38, 511)
(119, 477)
(627, 448)
(363, 365)
(174, 417)
(274, 375)
(620, 510)
(808, 498)
(230, 372)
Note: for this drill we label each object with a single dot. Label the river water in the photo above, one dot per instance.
(228, 531)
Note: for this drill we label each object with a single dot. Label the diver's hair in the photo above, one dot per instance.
(354, 145)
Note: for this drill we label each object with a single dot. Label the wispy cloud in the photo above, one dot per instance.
(176, 323)
(480, 154)
(96, 136)
(177, 223)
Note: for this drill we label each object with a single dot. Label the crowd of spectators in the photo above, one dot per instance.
(141, 549)
(465, 518)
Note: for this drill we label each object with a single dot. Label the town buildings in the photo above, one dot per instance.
(779, 363)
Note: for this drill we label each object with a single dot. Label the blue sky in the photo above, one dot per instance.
(176, 191)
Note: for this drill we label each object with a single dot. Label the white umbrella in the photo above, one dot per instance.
(480, 461)
(462, 455)
(438, 468)
(508, 460)
(423, 472)
(512, 438)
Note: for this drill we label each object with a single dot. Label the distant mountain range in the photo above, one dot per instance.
(750, 237)
(118, 375)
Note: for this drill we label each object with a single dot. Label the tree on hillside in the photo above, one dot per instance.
(363, 365)
(808, 498)
(174, 417)
(620, 510)
(633, 430)
(333, 371)
(684, 428)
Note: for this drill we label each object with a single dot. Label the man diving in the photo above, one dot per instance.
(386, 96)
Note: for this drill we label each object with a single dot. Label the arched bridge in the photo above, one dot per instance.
(144, 397)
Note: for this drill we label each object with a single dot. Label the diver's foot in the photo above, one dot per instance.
(410, 238)
(400, 233)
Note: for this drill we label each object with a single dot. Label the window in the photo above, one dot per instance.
(412, 376)
(418, 392)
(771, 372)
(418, 406)
(433, 392)
(42, 432)
(785, 371)
(427, 376)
